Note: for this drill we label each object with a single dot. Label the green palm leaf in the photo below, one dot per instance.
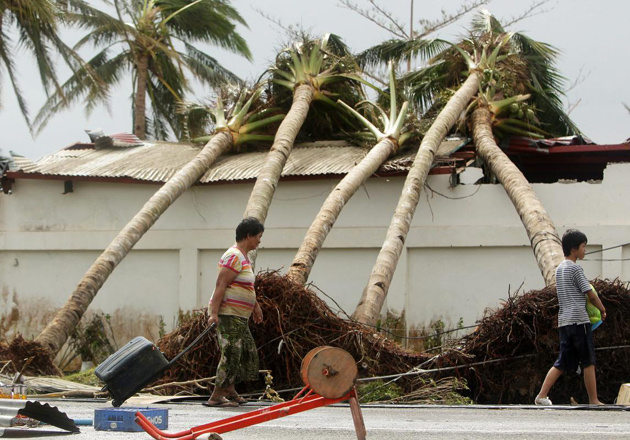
(397, 50)
(81, 86)
(207, 69)
(35, 24)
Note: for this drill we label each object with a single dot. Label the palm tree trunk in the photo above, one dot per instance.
(541, 231)
(369, 307)
(140, 102)
(57, 332)
(330, 210)
(267, 180)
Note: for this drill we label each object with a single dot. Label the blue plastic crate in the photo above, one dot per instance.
(123, 419)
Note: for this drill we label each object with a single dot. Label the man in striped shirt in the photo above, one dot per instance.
(574, 325)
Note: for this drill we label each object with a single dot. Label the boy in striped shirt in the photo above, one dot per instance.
(574, 325)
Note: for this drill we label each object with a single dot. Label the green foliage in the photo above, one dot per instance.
(90, 340)
(393, 327)
(432, 337)
(161, 327)
(426, 390)
(86, 377)
(378, 391)
(436, 335)
(35, 22)
(444, 391)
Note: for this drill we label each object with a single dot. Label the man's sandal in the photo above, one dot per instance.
(221, 403)
(237, 399)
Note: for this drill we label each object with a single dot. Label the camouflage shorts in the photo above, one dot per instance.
(239, 357)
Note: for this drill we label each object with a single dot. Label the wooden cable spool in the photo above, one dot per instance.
(331, 372)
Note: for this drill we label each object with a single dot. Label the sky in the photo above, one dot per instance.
(592, 37)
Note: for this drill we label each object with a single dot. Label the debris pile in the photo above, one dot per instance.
(27, 357)
(525, 331)
(295, 321)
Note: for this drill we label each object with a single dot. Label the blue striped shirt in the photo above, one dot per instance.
(571, 284)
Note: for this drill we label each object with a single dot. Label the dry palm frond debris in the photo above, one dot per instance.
(27, 357)
(524, 332)
(295, 321)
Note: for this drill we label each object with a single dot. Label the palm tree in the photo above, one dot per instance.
(235, 130)
(369, 307)
(528, 67)
(504, 65)
(34, 22)
(388, 142)
(155, 40)
(306, 70)
(540, 229)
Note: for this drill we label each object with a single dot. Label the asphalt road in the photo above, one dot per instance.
(421, 422)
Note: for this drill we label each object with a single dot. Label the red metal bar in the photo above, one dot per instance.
(150, 429)
(239, 421)
(300, 393)
(272, 414)
(161, 434)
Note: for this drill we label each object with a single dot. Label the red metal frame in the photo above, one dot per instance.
(310, 400)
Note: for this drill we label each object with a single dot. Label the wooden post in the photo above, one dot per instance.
(357, 416)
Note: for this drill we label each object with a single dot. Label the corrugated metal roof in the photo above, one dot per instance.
(158, 161)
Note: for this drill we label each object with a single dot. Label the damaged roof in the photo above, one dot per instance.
(575, 158)
(159, 161)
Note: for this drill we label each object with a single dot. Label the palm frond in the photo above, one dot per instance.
(163, 112)
(335, 45)
(551, 113)
(10, 68)
(207, 69)
(397, 50)
(209, 21)
(196, 120)
(163, 68)
(424, 85)
(485, 23)
(81, 86)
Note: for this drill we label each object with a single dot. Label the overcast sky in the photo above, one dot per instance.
(592, 36)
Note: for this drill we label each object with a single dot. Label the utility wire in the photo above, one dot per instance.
(607, 249)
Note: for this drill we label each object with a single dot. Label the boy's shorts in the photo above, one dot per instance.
(576, 347)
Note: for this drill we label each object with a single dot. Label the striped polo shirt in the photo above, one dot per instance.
(571, 284)
(240, 296)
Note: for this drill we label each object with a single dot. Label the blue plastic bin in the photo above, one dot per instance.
(123, 419)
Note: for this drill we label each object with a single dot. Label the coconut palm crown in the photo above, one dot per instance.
(519, 81)
(306, 73)
(246, 115)
(154, 39)
(327, 65)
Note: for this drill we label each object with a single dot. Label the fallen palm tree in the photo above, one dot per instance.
(506, 358)
(296, 320)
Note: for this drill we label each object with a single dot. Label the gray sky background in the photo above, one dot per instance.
(592, 36)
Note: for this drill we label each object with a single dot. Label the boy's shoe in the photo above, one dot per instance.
(542, 401)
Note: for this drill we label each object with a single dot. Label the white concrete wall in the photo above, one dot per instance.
(464, 253)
